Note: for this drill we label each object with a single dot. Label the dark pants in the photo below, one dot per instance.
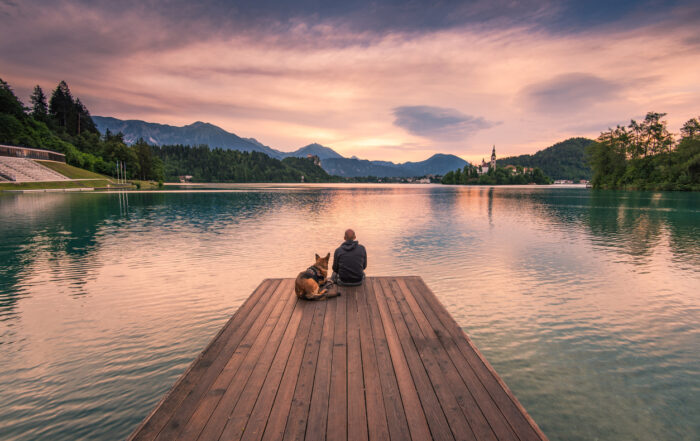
(336, 279)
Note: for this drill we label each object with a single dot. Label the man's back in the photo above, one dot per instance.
(350, 261)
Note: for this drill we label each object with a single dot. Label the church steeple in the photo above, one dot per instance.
(493, 158)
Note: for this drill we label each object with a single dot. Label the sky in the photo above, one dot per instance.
(387, 80)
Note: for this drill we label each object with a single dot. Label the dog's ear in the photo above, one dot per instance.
(317, 257)
(328, 256)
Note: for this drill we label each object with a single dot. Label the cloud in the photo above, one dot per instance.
(288, 73)
(439, 123)
(570, 92)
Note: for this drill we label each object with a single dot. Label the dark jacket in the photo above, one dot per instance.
(350, 261)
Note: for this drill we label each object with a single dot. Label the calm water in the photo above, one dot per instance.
(586, 303)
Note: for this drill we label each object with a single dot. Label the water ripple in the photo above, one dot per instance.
(586, 303)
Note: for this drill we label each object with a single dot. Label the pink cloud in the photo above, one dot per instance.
(339, 86)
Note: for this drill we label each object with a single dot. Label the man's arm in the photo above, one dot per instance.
(335, 260)
(364, 252)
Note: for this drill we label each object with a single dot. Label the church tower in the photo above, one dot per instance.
(493, 158)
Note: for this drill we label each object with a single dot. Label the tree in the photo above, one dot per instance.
(539, 178)
(646, 157)
(607, 156)
(69, 113)
(464, 176)
(448, 179)
(150, 166)
(9, 103)
(658, 138)
(61, 105)
(40, 110)
(649, 137)
(84, 121)
(636, 145)
(114, 149)
(691, 129)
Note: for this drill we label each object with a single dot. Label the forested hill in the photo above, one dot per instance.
(563, 160)
(62, 123)
(220, 165)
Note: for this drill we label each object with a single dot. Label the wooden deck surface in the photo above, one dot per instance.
(384, 361)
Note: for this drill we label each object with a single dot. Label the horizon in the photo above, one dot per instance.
(398, 82)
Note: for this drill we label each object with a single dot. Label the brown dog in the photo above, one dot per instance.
(309, 283)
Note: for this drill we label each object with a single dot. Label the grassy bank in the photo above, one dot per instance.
(72, 172)
(97, 183)
(87, 179)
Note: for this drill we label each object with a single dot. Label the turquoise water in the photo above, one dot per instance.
(587, 303)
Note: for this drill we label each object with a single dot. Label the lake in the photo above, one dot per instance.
(586, 303)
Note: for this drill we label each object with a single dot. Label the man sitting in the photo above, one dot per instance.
(349, 262)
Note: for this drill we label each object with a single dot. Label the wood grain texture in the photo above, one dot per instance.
(384, 361)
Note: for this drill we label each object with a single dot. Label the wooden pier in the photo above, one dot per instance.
(384, 361)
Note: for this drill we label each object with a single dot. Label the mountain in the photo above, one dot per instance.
(193, 134)
(200, 133)
(353, 167)
(438, 164)
(563, 160)
(334, 163)
(322, 152)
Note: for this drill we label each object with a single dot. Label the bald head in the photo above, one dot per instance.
(349, 234)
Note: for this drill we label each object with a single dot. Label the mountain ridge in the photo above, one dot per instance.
(333, 162)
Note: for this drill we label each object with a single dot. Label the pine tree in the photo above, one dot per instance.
(62, 106)
(9, 103)
(40, 110)
(84, 121)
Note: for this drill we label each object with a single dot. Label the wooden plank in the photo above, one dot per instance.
(283, 401)
(383, 361)
(269, 369)
(430, 323)
(393, 401)
(196, 372)
(337, 428)
(214, 410)
(318, 410)
(299, 410)
(435, 417)
(525, 427)
(285, 364)
(243, 339)
(429, 347)
(458, 423)
(357, 411)
(377, 426)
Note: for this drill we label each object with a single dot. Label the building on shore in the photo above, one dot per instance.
(516, 171)
(31, 153)
(486, 166)
(316, 160)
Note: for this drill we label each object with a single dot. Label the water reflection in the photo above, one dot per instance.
(585, 302)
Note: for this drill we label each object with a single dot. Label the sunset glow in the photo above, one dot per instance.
(390, 83)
